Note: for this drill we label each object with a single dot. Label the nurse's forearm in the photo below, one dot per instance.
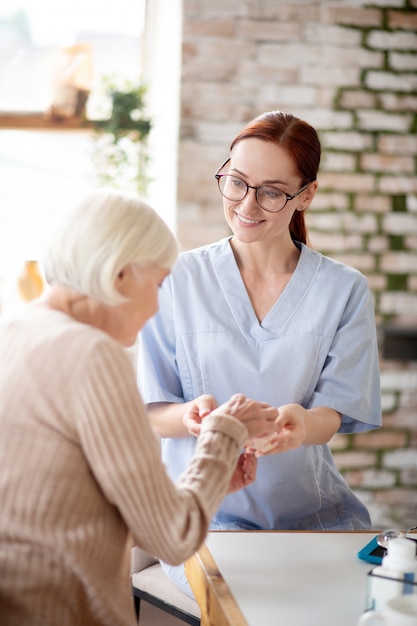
(167, 419)
(321, 423)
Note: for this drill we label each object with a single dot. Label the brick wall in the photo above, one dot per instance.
(348, 68)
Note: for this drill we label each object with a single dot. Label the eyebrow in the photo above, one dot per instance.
(266, 182)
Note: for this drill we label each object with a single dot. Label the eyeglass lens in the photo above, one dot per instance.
(235, 189)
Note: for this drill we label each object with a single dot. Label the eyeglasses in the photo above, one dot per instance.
(269, 198)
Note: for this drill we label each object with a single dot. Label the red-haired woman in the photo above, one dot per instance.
(262, 313)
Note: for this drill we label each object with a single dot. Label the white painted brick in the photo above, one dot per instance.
(213, 133)
(388, 401)
(267, 30)
(349, 57)
(338, 35)
(366, 223)
(375, 203)
(378, 244)
(300, 11)
(289, 55)
(335, 242)
(371, 478)
(347, 182)
(358, 99)
(376, 282)
(406, 82)
(251, 74)
(402, 19)
(409, 477)
(402, 459)
(338, 162)
(348, 141)
(283, 96)
(401, 418)
(396, 102)
(399, 262)
(402, 62)
(387, 163)
(382, 516)
(397, 144)
(324, 200)
(342, 14)
(398, 303)
(339, 442)
(408, 399)
(397, 184)
(411, 244)
(216, 9)
(386, 3)
(400, 223)
(325, 97)
(379, 120)
(330, 222)
(323, 118)
(383, 40)
(335, 76)
(354, 459)
(363, 262)
(412, 203)
(194, 30)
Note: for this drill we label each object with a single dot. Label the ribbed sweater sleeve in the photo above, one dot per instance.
(81, 473)
(168, 520)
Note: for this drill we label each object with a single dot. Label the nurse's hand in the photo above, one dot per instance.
(298, 426)
(245, 472)
(197, 410)
(291, 430)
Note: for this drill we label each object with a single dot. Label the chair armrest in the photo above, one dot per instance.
(140, 560)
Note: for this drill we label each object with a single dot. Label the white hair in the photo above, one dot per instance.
(106, 232)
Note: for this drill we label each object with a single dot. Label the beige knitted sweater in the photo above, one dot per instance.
(80, 468)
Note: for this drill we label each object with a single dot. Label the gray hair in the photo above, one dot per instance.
(106, 232)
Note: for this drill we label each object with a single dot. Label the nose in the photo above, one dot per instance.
(251, 198)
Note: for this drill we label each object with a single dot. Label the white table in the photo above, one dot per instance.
(280, 578)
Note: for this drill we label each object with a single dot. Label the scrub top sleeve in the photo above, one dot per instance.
(158, 377)
(350, 379)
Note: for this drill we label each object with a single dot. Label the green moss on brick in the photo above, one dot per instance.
(397, 282)
(396, 242)
(399, 203)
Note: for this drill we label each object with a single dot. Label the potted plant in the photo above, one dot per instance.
(120, 154)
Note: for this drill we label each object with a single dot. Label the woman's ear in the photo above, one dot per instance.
(122, 279)
(308, 195)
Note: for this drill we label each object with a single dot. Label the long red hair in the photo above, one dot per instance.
(302, 143)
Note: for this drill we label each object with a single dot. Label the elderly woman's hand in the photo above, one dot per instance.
(258, 417)
(245, 472)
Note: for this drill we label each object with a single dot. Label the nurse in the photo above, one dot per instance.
(262, 313)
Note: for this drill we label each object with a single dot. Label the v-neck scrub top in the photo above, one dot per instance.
(317, 346)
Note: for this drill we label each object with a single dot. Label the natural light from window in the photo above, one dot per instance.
(42, 172)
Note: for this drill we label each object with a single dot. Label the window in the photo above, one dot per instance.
(43, 171)
(46, 43)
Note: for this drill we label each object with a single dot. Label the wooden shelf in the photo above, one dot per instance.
(39, 121)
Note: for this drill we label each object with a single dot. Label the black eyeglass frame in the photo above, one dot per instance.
(288, 196)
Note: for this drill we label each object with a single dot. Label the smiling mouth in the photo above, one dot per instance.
(246, 220)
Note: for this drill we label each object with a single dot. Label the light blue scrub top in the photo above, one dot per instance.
(317, 347)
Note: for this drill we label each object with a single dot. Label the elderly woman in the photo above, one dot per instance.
(80, 465)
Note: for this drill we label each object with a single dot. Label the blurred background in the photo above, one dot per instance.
(188, 75)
